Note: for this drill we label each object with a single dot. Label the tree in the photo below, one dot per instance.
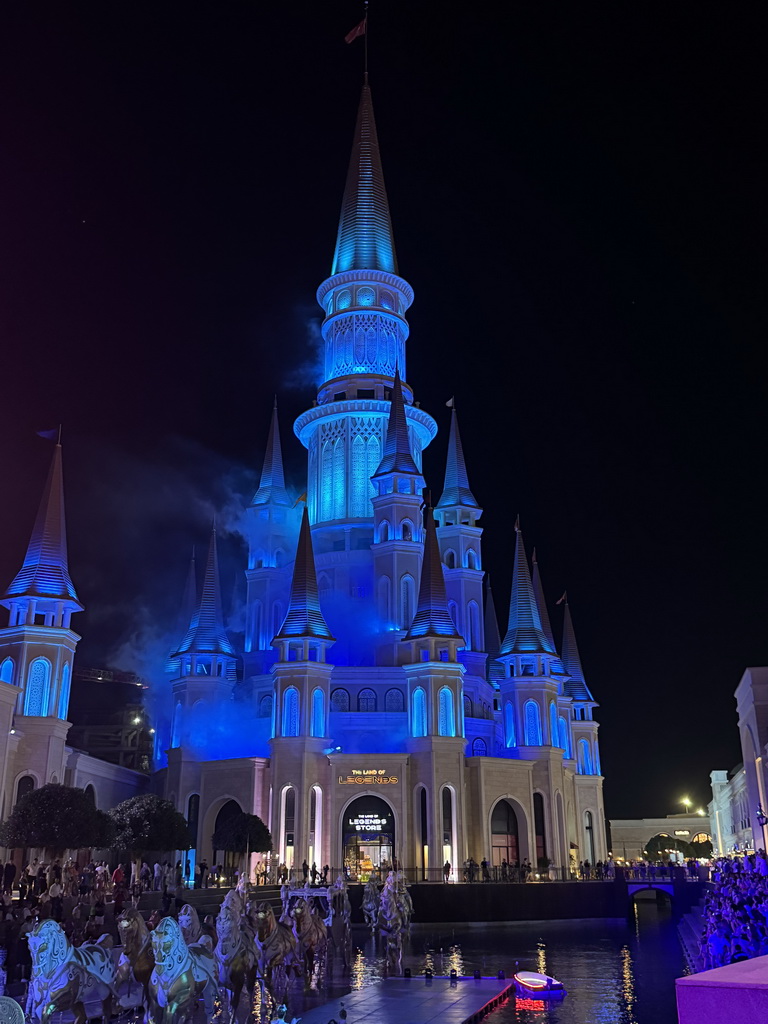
(656, 848)
(243, 832)
(148, 822)
(57, 818)
(702, 849)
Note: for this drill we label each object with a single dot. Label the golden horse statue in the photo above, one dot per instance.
(235, 952)
(64, 977)
(180, 976)
(137, 957)
(275, 945)
(311, 935)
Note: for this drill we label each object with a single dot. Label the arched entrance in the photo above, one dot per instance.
(231, 859)
(505, 836)
(367, 837)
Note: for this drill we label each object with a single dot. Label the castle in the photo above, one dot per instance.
(389, 718)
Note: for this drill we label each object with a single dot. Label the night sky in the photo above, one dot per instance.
(577, 201)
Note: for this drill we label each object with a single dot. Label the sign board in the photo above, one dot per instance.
(682, 832)
(368, 777)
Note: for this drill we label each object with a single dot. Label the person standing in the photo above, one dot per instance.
(305, 870)
(9, 876)
(446, 871)
(158, 876)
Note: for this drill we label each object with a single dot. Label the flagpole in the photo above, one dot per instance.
(366, 40)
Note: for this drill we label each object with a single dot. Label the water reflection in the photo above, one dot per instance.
(615, 972)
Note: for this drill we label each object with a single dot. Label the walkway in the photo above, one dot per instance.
(416, 1001)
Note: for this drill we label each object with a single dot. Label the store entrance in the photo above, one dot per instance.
(368, 838)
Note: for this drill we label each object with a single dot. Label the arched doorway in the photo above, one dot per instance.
(367, 837)
(230, 859)
(505, 838)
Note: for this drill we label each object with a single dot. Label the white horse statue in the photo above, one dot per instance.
(64, 977)
(181, 975)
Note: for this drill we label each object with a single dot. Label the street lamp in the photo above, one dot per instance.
(686, 802)
(762, 820)
(701, 812)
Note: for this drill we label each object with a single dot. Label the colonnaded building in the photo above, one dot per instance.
(375, 710)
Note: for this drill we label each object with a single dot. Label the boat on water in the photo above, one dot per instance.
(539, 986)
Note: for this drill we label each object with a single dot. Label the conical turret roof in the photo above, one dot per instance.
(206, 633)
(45, 572)
(432, 618)
(525, 634)
(494, 669)
(541, 602)
(365, 240)
(305, 618)
(272, 486)
(456, 489)
(397, 456)
(576, 686)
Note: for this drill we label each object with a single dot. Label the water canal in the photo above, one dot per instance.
(615, 971)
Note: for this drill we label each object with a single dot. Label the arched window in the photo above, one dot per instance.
(467, 707)
(366, 700)
(6, 671)
(291, 712)
(584, 762)
(393, 700)
(340, 700)
(553, 732)
(474, 633)
(25, 785)
(383, 531)
(64, 694)
(406, 601)
(471, 559)
(532, 718)
(450, 559)
(326, 482)
(38, 680)
(407, 530)
(265, 706)
(317, 721)
(446, 721)
(359, 480)
(339, 483)
(479, 747)
(90, 792)
(565, 739)
(419, 712)
(193, 817)
(509, 724)
(453, 611)
(597, 761)
(176, 726)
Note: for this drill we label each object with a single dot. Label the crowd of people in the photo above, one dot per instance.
(735, 911)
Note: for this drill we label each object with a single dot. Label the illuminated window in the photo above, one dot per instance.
(564, 735)
(386, 300)
(406, 601)
(450, 559)
(532, 719)
(291, 712)
(419, 712)
(38, 681)
(467, 707)
(479, 747)
(317, 721)
(471, 559)
(6, 671)
(365, 296)
(474, 637)
(340, 700)
(584, 763)
(366, 700)
(344, 301)
(394, 701)
(553, 730)
(265, 706)
(446, 723)
(64, 694)
(383, 531)
(407, 530)
(509, 724)
(339, 482)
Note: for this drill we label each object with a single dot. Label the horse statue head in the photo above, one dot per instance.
(171, 953)
(189, 922)
(132, 929)
(49, 947)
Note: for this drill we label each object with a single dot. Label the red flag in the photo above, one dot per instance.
(358, 30)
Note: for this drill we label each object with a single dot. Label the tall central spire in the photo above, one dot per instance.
(365, 240)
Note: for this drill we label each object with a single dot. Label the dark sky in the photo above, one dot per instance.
(578, 202)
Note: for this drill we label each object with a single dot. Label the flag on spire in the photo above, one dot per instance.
(357, 31)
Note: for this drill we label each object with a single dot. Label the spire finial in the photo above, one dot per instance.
(304, 618)
(206, 633)
(432, 618)
(272, 484)
(456, 490)
(45, 572)
(525, 633)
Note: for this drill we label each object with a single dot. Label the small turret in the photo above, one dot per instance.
(272, 485)
(304, 620)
